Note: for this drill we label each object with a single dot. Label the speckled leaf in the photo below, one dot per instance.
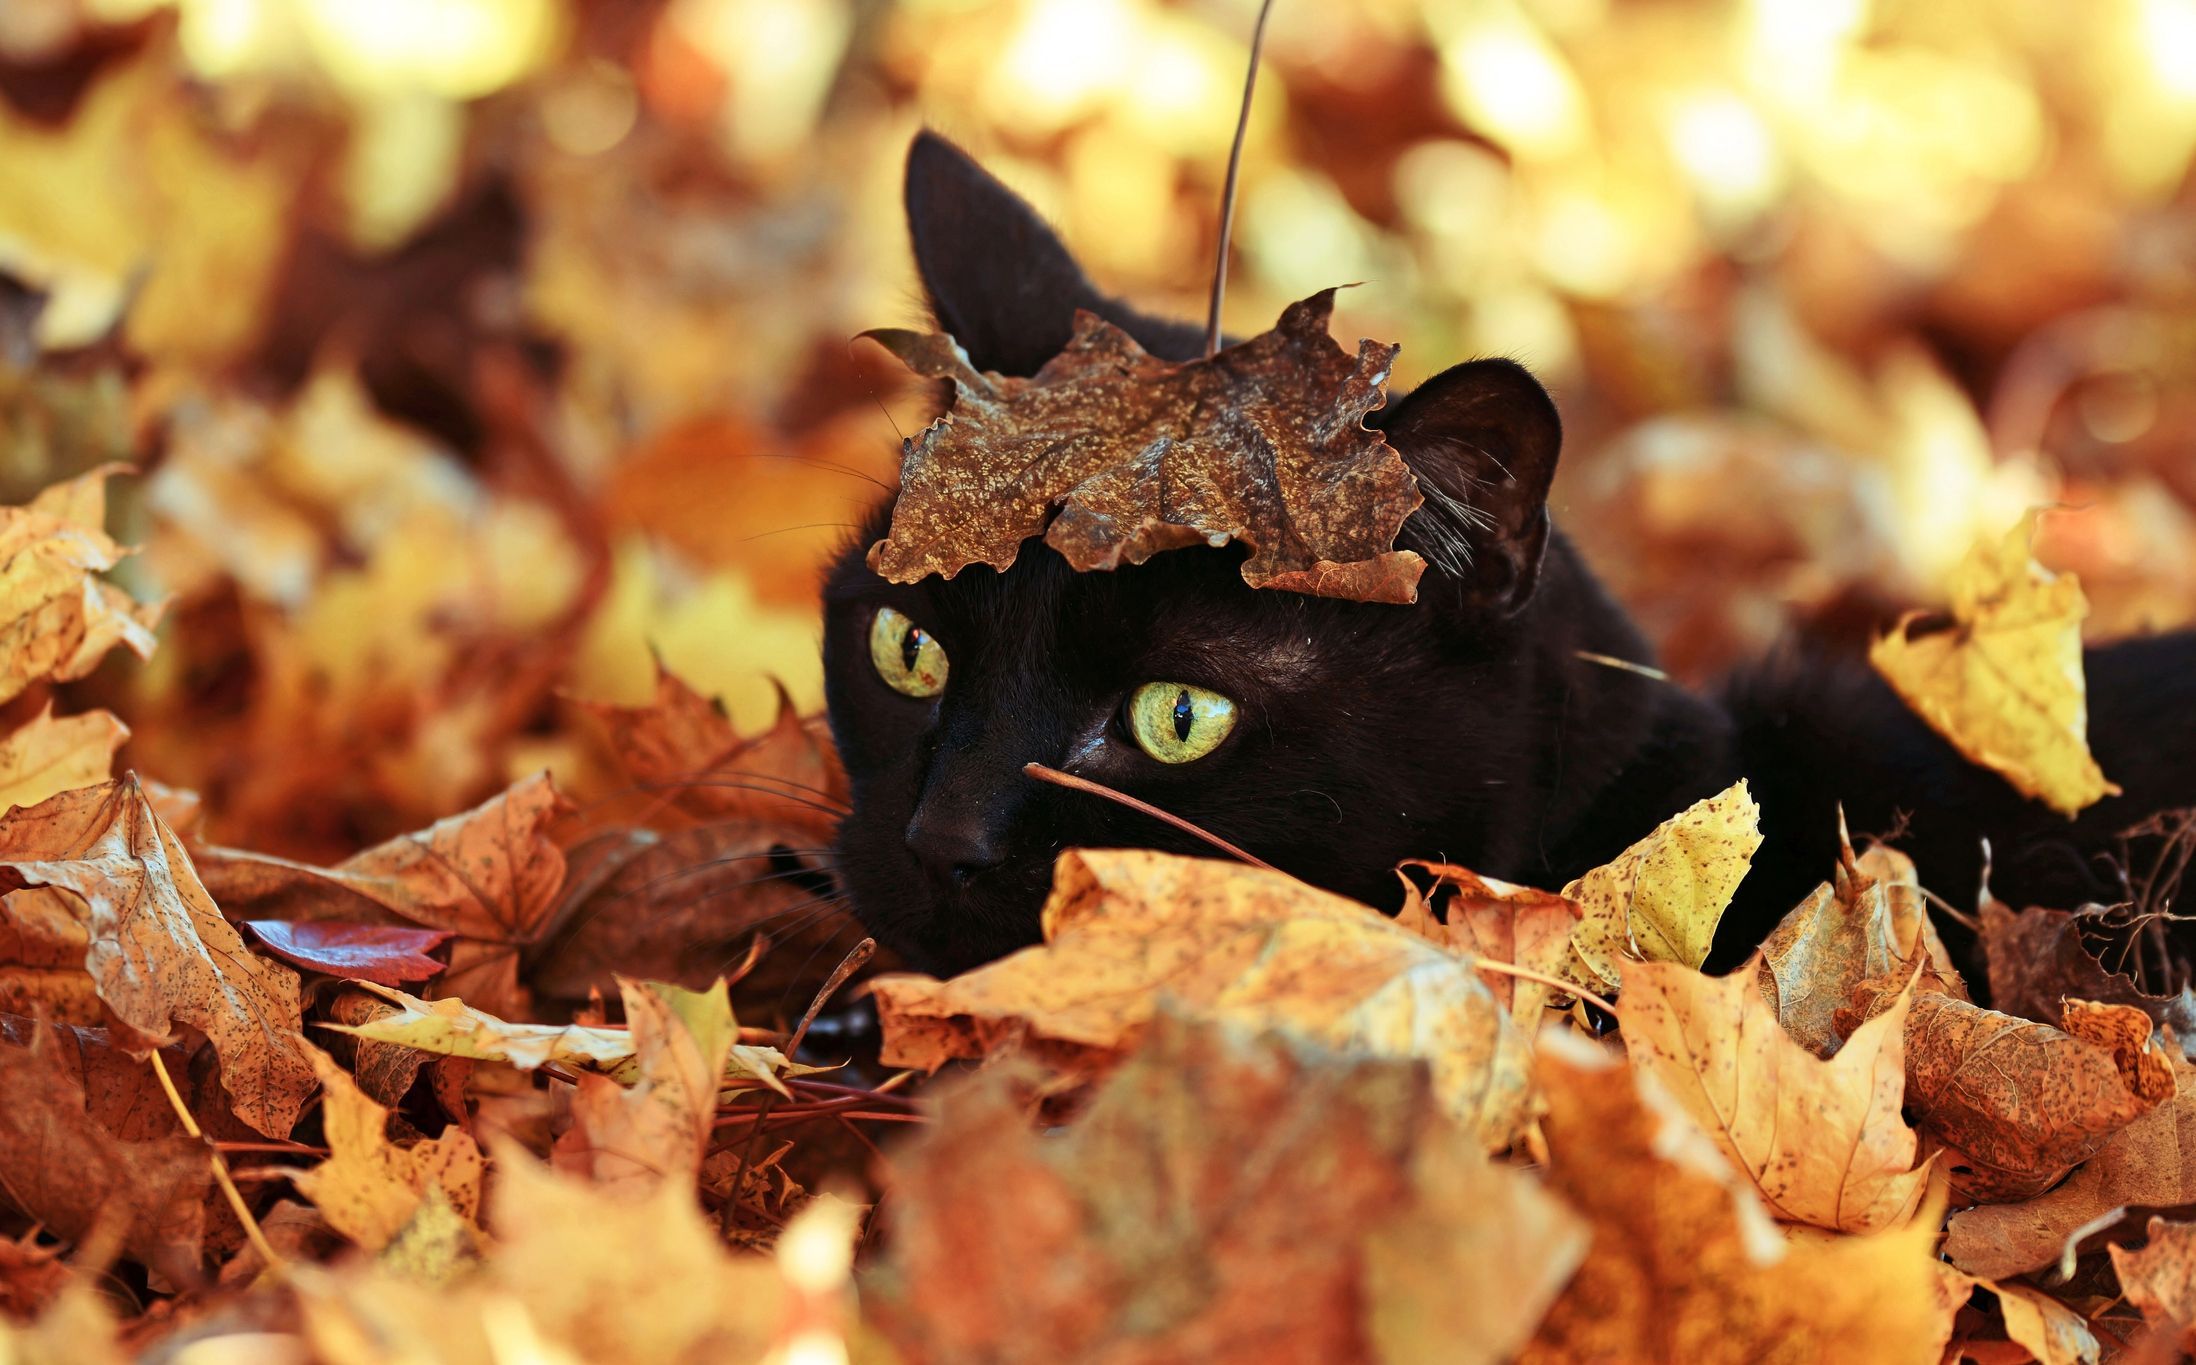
(160, 950)
(2160, 1279)
(1493, 921)
(1114, 455)
(369, 1188)
(1660, 899)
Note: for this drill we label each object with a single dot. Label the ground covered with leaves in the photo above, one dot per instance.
(417, 936)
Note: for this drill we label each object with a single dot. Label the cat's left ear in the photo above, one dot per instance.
(1482, 437)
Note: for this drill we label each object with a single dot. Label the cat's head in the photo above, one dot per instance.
(1331, 738)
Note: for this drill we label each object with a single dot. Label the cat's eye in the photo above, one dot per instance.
(907, 657)
(1178, 723)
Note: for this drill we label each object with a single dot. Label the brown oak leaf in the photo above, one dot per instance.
(1115, 455)
(159, 949)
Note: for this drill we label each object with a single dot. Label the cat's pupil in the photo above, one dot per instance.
(1182, 717)
(911, 647)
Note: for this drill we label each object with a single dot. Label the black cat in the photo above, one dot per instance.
(1337, 738)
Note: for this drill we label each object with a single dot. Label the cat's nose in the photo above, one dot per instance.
(954, 846)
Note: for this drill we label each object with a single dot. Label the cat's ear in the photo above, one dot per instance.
(999, 279)
(1482, 437)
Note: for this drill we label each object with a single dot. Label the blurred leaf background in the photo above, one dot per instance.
(474, 350)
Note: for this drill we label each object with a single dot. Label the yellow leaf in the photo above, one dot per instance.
(1821, 1140)
(368, 1188)
(1223, 941)
(628, 1139)
(1662, 897)
(2004, 681)
(57, 618)
(47, 756)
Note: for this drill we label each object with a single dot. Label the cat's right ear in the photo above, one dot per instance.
(999, 279)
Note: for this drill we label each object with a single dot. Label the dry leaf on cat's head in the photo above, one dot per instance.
(2004, 680)
(1114, 455)
(1125, 927)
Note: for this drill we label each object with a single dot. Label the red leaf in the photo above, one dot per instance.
(390, 954)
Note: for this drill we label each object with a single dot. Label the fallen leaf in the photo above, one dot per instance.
(1685, 1267)
(2160, 1278)
(2019, 1103)
(683, 749)
(1224, 1198)
(47, 756)
(1115, 455)
(369, 1188)
(1124, 928)
(1868, 923)
(58, 619)
(2037, 959)
(1822, 1140)
(2152, 1161)
(386, 953)
(2004, 681)
(160, 950)
(488, 877)
(1661, 898)
(1495, 922)
(30, 1278)
(456, 1029)
(2050, 1330)
(629, 1139)
(63, 1169)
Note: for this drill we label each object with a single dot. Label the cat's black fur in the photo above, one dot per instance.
(1465, 727)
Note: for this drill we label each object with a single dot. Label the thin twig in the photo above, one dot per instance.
(1084, 784)
(1227, 194)
(235, 1196)
(1528, 974)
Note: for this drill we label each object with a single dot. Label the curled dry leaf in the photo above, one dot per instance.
(47, 757)
(2150, 1162)
(160, 951)
(1869, 922)
(1494, 921)
(62, 1167)
(1661, 898)
(489, 877)
(2160, 1279)
(2003, 681)
(630, 1139)
(1822, 1140)
(456, 1029)
(58, 619)
(1115, 455)
(682, 749)
(386, 953)
(369, 1188)
(1125, 928)
(1224, 1199)
(42, 946)
(2037, 959)
(1685, 1267)
(2019, 1103)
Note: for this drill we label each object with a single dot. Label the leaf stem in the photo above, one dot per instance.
(1084, 784)
(243, 1212)
(1227, 194)
(1499, 968)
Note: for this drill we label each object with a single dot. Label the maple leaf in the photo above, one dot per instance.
(1867, 923)
(2160, 1279)
(57, 618)
(456, 1029)
(2019, 1103)
(369, 1188)
(46, 756)
(1685, 1267)
(2151, 1162)
(1224, 1198)
(629, 1139)
(1822, 1140)
(67, 1170)
(1115, 455)
(385, 953)
(159, 949)
(1494, 921)
(1661, 898)
(1223, 941)
(2004, 682)
(489, 877)
(682, 747)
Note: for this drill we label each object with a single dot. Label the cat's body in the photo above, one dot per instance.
(1470, 727)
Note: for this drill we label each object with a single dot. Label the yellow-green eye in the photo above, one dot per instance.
(1178, 723)
(906, 656)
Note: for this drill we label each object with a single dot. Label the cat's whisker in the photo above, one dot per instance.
(804, 526)
(699, 784)
(847, 470)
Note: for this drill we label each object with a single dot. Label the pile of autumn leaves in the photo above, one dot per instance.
(1282, 1126)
